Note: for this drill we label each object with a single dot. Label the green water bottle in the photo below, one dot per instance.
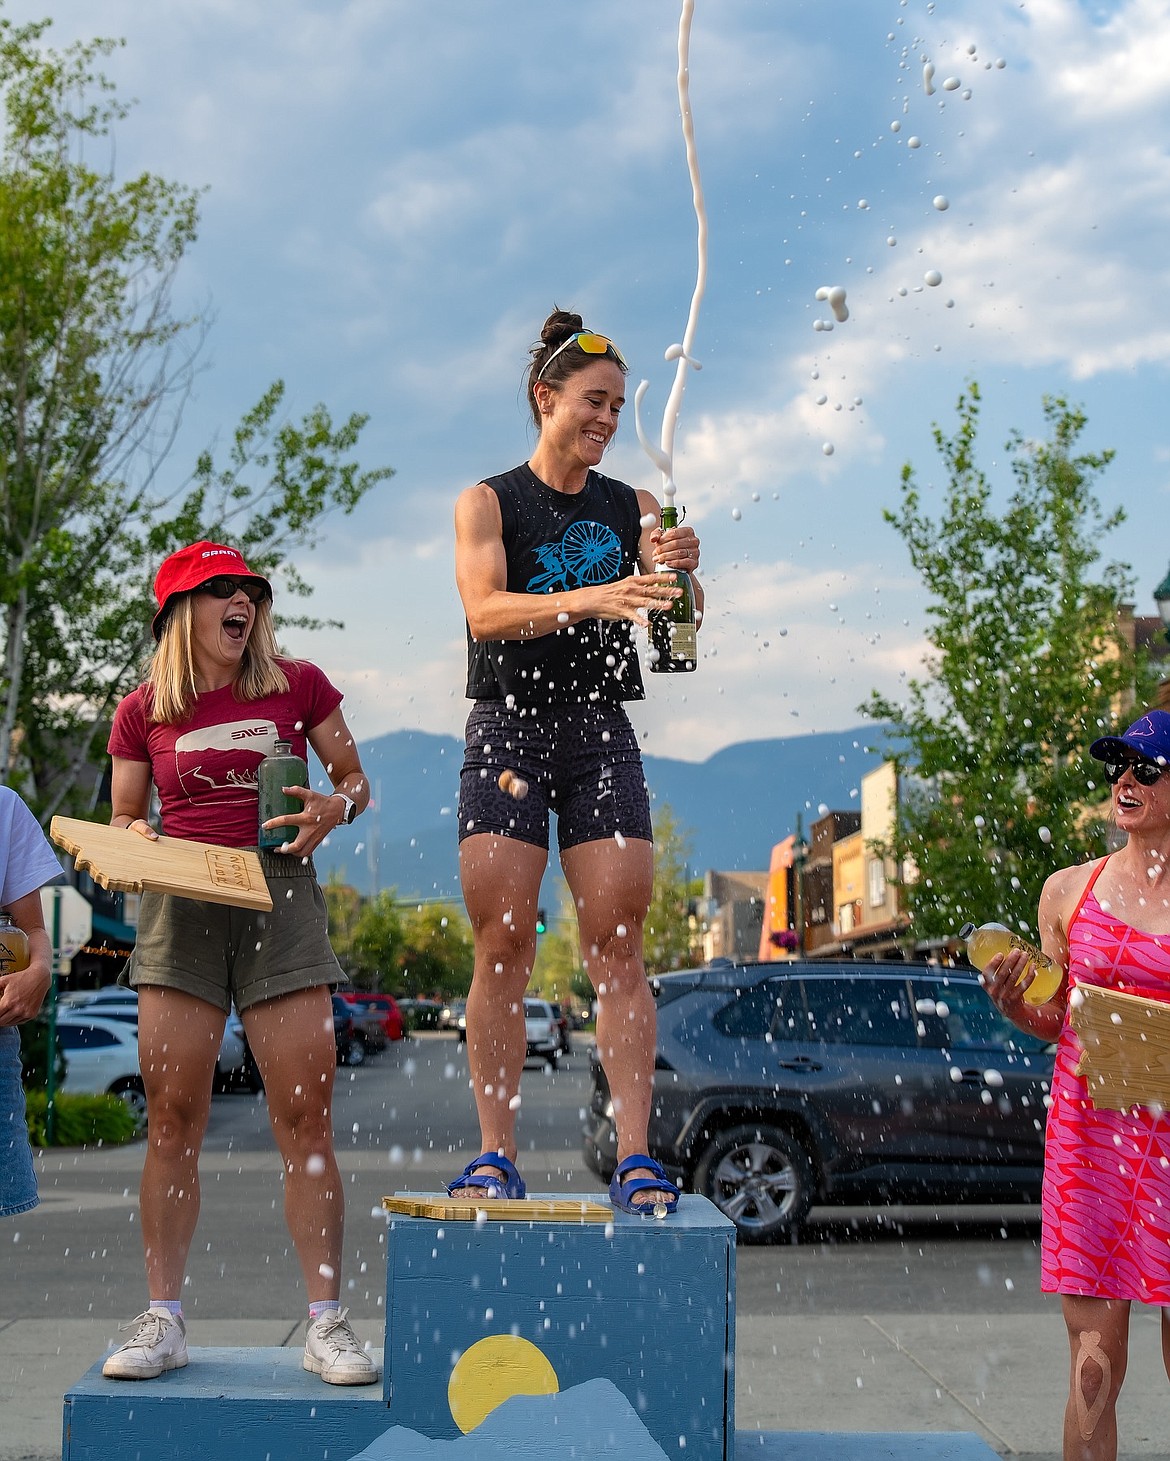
(280, 769)
(674, 645)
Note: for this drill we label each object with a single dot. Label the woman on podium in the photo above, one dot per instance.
(546, 559)
(216, 699)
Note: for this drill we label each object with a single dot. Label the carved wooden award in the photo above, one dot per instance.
(1126, 1039)
(125, 861)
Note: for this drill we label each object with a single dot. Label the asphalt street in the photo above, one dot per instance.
(878, 1319)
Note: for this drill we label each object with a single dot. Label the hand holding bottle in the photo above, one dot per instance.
(1038, 976)
(673, 645)
(676, 547)
(24, 969)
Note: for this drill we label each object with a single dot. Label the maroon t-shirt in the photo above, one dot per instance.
(205, 769)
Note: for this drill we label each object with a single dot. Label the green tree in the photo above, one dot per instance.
(438, 951)
(668, 933)
(343, 905)
(1026, 668)
(378, 940)
(94, 368)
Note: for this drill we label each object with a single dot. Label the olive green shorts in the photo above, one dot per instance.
(222, 954)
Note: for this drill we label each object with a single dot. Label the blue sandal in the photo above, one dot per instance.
(622, 1192)
(511, 1185)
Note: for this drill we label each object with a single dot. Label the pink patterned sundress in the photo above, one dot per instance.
(1106, 1199)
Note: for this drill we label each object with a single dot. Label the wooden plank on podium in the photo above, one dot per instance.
(119, 859)
(502, 1209)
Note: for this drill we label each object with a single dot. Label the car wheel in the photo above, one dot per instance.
(354, 1052)
(134, 1095)
(761, 1177)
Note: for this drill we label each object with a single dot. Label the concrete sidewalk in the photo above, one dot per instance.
(1000, 1378)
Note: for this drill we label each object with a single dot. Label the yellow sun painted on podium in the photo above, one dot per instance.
(492, 1371)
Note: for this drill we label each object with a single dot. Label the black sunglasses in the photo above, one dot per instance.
(224, 587)
(1146, 772)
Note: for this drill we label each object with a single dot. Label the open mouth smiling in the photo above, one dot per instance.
(235, 626)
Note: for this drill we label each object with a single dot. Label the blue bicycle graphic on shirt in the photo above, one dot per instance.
(588, 553)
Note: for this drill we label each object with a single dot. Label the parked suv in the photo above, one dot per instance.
(347, 1034)
(542, 1031)
(382, 1008)
(778, 1086)
(235, 1064)
(563, 1036)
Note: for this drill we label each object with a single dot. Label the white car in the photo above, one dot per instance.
(101, 1056)
(116, 1003)
(542, 1031)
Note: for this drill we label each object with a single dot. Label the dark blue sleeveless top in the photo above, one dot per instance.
(555, 541)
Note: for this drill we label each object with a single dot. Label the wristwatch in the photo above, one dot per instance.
(350, 807)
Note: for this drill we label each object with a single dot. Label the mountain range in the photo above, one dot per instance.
(732, 808)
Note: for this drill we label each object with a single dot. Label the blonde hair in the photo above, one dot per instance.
(170, 677)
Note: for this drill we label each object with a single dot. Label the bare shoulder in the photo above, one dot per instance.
(477, 509)
(647, 502)
(1063, 888)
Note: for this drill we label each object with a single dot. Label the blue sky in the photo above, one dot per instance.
(398, 192)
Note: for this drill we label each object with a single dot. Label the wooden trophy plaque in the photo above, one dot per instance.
(1126, 1039)
(127, 862)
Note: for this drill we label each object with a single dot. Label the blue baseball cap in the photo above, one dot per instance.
(1148, 738)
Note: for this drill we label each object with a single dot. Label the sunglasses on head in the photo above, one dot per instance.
(1146, 772)
(223, 587)
(591, 344)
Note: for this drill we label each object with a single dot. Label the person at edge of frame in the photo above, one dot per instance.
(27, 863)
(1105, 1238)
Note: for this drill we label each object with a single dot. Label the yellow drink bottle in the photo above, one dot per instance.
(13, 945)
(989, 939)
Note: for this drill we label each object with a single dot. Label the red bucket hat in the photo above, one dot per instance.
(189, 567)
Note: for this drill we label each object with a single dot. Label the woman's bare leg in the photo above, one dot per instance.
(178, 1043)
(611, 886)
(501, 881)
(292, 1040)
(1098, 1338)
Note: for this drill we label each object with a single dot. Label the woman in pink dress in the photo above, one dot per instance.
(1106, 1202)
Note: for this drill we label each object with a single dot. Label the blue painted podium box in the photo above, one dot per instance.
(647, 1305)
(226, 1405)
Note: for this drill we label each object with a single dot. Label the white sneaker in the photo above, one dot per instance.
(159, 1343)
(333, 1351)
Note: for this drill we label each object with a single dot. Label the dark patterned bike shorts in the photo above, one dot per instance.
(580, 761)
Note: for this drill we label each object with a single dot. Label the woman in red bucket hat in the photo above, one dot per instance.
(217, 697)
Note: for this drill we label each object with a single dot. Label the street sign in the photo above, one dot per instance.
(70, 915)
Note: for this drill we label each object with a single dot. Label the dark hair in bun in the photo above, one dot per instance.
(560, 326)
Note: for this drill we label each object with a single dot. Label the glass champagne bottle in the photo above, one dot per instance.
(673, 632)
